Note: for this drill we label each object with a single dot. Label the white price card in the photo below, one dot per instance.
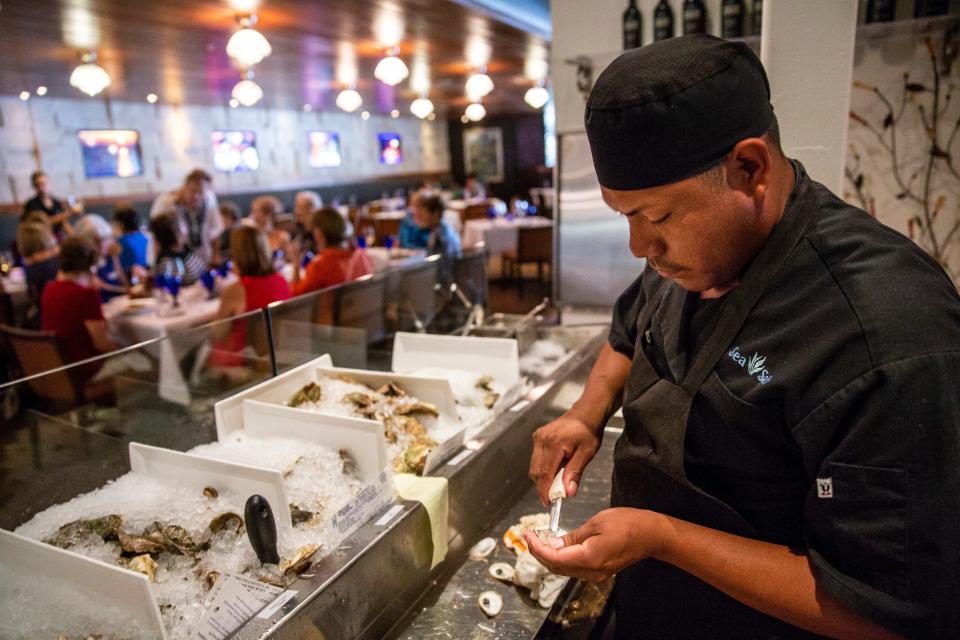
(233, 601)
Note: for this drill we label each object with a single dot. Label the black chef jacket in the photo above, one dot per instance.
(832, 424)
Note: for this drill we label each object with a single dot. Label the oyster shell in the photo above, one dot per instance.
(348, 464)
(528, 572)
(211, 579)
(548, 590)
(391, 390)
(501, 571)
(310, 392)
(226, 520)
(490, 398)
(179, 539)
(417, 408)
(210, 492)
(73, 532)
(358, 399)
(482, 549)
(410, 425)
(300, 561)
(146, 543)
(414, 458)
(485, 383)
(144, 564)
(491, 603)
(300, 516)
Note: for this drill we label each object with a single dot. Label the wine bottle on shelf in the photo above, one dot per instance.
(662, 21)
(756, 17)
(632, 24)
(930, 8)
(694, 17)
(881, 10)
(731, 23)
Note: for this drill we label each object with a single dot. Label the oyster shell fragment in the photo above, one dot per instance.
(391, 390)
(73, 532)
(418, 408)
(144, 564)
(482, 549)
(501, 571)
(491, 603)
(310, 392)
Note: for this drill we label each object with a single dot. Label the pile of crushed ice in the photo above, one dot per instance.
(314, 479)
(542, 358)
(470, 395)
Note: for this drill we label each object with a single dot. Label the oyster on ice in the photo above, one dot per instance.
(300, 561)
(144, 564)
(310, 392)
(418, 408)
(141, 544)
(73, 532)
(300, 516)
(391, 390)
(358, 399)
(226, 520)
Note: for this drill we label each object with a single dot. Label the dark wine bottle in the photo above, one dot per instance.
(731, 24)
(756, 17)
(881, 10)
(930, 8)
(694, 17)
(632, 24)
(662, 21)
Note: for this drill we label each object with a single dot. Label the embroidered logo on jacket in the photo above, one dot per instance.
(755, 364)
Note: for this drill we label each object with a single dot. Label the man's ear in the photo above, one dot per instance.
(748, 166)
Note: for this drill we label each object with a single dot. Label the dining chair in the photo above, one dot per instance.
(534, 244)
(476, 212)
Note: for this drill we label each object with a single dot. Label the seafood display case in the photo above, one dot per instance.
(176, 455)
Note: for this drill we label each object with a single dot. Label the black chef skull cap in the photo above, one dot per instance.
(674, 108)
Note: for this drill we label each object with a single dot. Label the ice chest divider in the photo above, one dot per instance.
(228, 412)
(433, 390)
(243, 479)
(497, 357)
(363, 440)
(114, 586)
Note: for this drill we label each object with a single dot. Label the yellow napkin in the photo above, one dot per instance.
(432, 493)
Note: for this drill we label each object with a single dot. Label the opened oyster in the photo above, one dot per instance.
(144, 564)
(391, 390)
(418, 408)
(300, 561)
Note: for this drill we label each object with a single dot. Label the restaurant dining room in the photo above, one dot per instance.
(313, 315)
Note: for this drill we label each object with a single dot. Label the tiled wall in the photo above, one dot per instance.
(175, 140)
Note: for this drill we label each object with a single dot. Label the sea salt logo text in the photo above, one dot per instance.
(755, 364)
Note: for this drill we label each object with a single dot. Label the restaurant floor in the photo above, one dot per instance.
(509, 296)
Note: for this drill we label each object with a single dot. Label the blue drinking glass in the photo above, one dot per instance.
(361, 242)
(208, 279)
(307, 259)
(173, 286)
(388, 242)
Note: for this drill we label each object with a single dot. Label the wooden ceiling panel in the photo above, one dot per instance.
(176, 49)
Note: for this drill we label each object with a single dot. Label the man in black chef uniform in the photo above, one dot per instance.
(787, 368)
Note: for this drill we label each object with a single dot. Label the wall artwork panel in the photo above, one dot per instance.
(483, 153)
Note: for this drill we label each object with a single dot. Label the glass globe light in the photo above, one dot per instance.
(90, 77)
(247, 92)
(349, 100)
(536, 97)
(478, 85)
(421, 107)
(475, 112)
(248, 47)
(391, 70)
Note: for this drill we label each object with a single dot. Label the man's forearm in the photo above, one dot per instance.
(767, 577)
(604, 388)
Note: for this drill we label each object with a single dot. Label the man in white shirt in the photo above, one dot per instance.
(196, 206)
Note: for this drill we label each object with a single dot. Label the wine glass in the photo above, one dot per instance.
(209, 280)
(176, 271)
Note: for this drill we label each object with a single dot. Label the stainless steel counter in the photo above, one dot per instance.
(369, 588)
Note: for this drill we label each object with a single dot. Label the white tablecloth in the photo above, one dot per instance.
(499, 235)
(139, 325)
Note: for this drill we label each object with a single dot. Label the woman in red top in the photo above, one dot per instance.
(70, 306)
(259, 285)
(337, 261)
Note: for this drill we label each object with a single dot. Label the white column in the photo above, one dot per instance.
(807, 49)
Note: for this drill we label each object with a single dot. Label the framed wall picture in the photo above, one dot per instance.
(483, 153)
(110, 153)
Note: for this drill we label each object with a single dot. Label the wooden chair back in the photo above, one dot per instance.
(39, 352)
(384, 228)
(534, 244)
(476, 211)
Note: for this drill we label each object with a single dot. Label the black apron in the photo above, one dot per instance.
(655, 599)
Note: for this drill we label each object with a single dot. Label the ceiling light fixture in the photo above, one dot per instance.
(365, 115)
(479, 85)
(349, 100)
(307, 108)
(432, 116)
(90, 77)
(248, 46)
(475, 112)
(464, 119)
(24, 95)
(421, 107)
(391, 70)
(41, 90)
(247, 92)
(234, 103)
(394, 113)
(151, 98)
(536, 97)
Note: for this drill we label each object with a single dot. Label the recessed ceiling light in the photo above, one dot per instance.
(151, 98)
(308, 107)
(234, 103)
(365, 115)
(41, 90)
(464, 119)
(394, 113)
(24, 95)
(432, 116)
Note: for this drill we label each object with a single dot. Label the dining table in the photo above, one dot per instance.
(500, 234)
